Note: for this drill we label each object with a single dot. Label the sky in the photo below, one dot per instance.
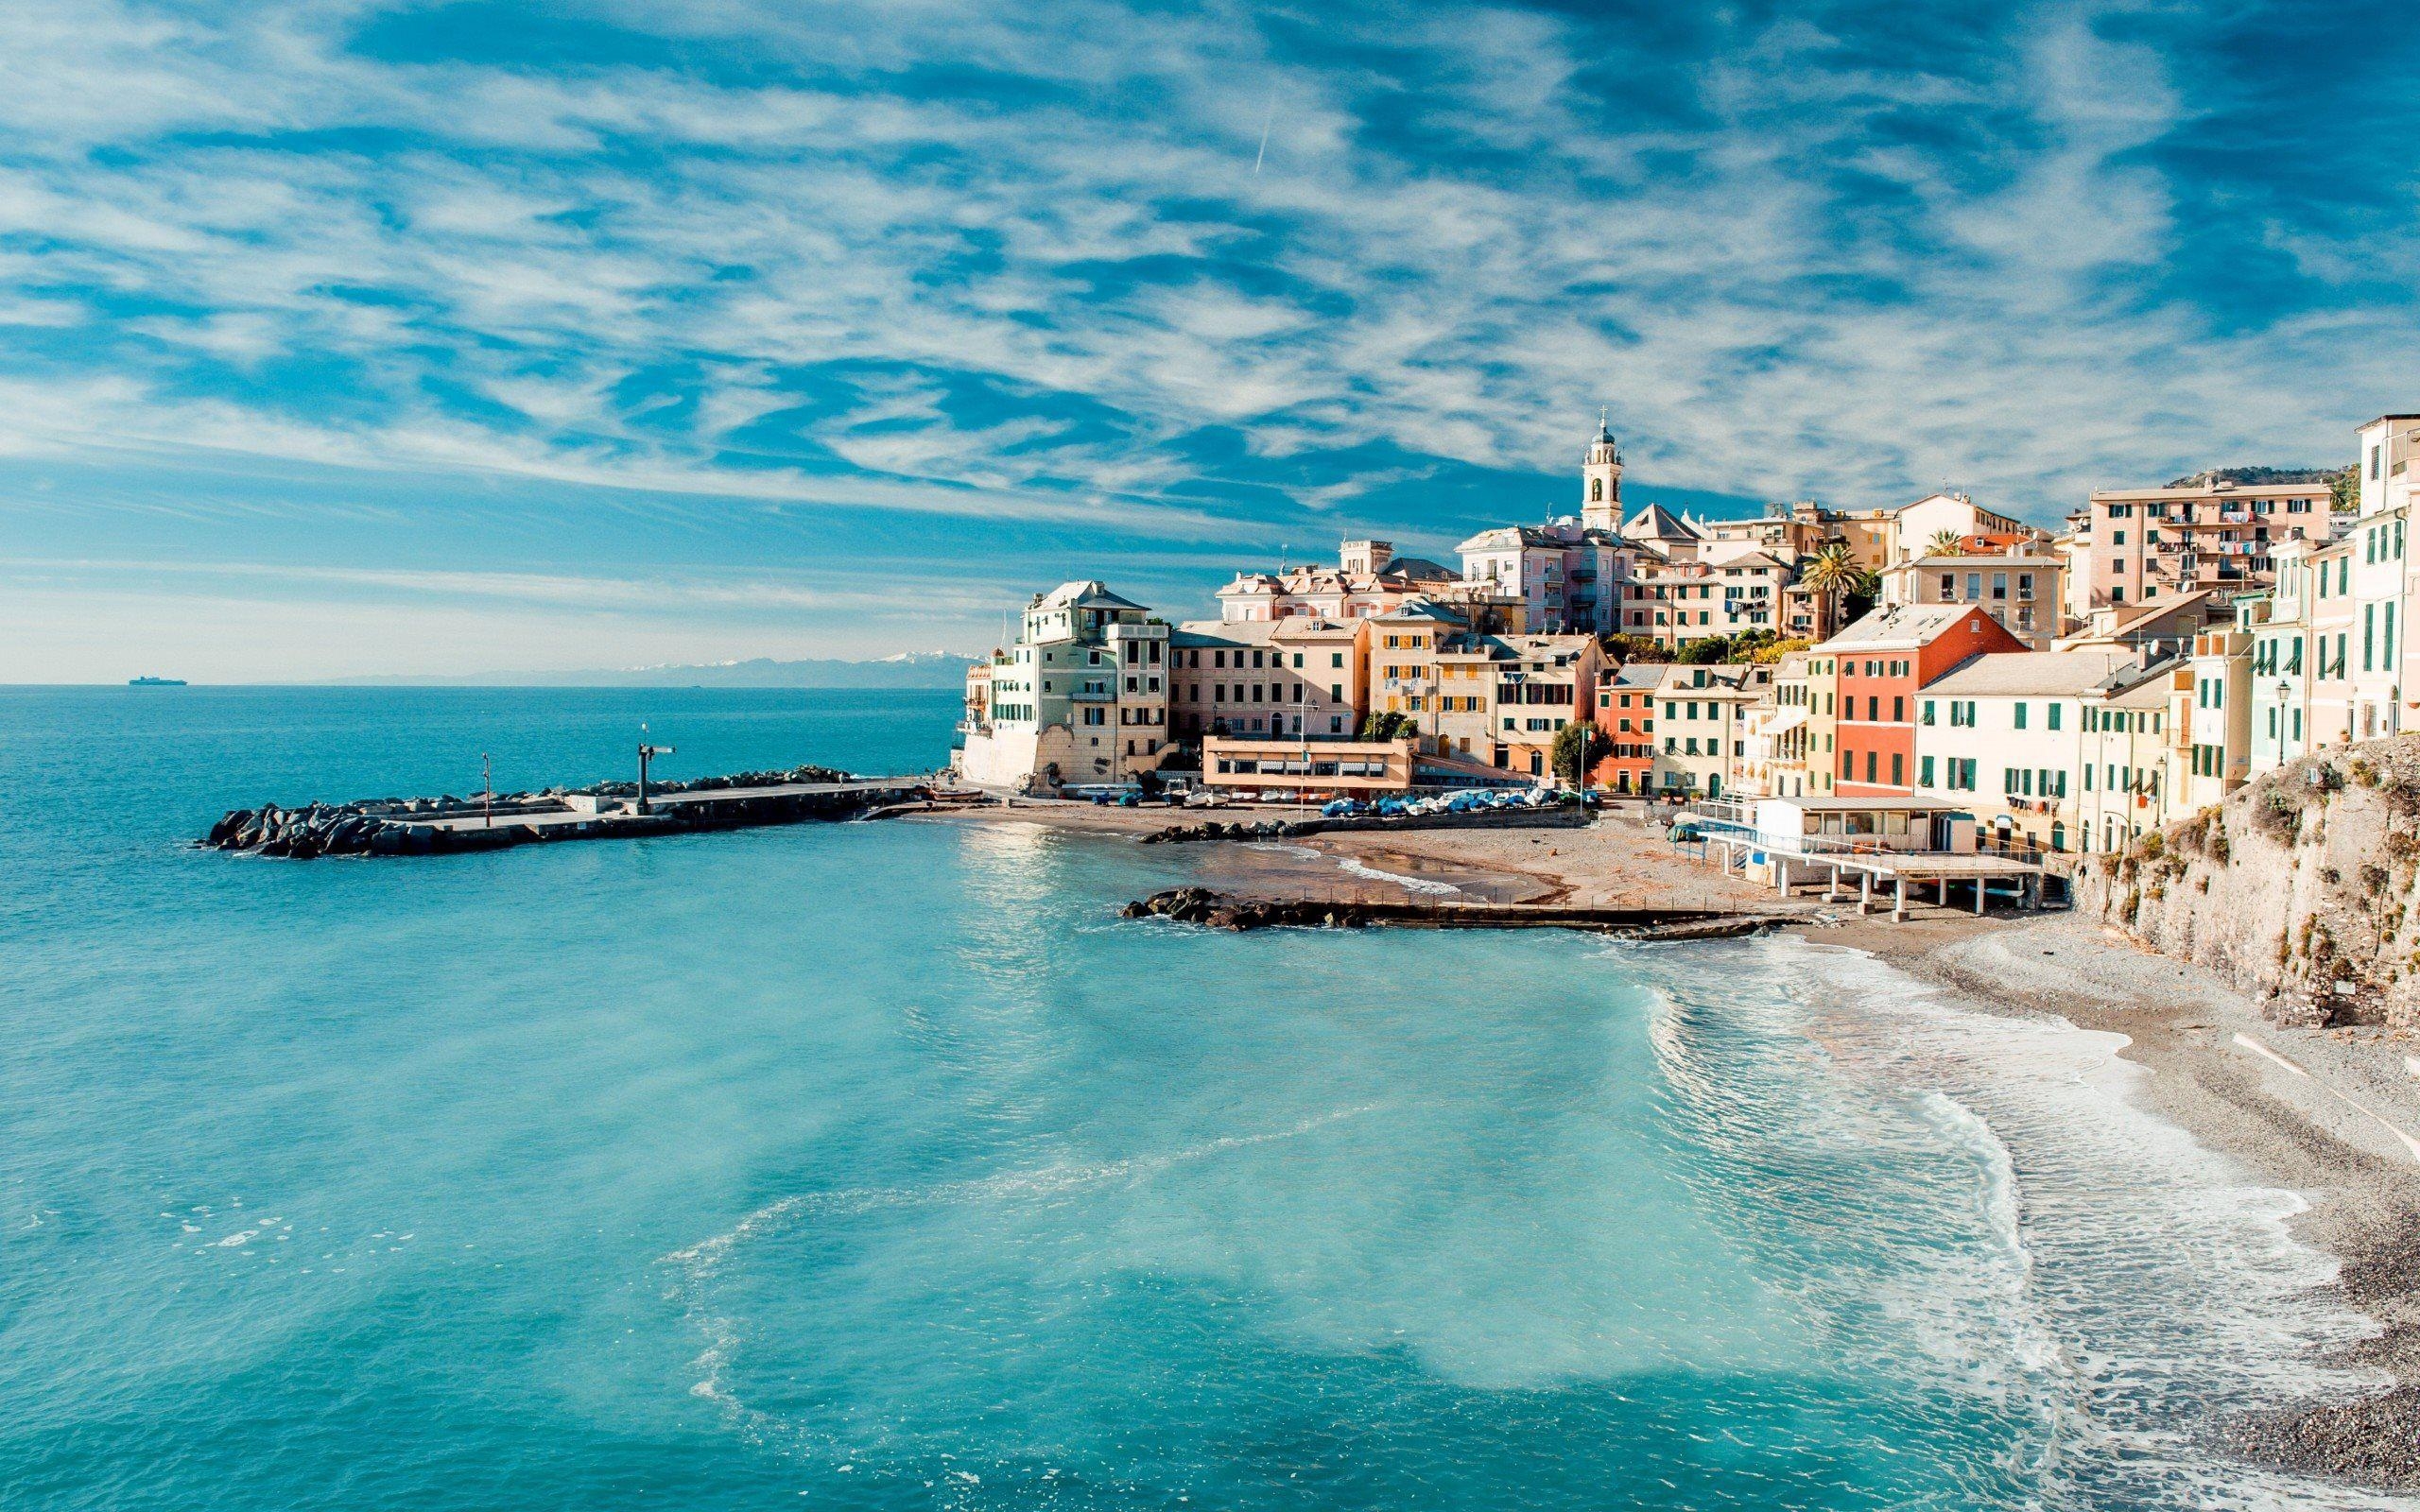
(341, 337)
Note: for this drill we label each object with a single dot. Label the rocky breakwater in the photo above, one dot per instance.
(1200, 906)
(427, 826)
(1217, 830)
(1218, 910)
(2299, 887)
(1557, 816)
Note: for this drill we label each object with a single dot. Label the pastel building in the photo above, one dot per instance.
(2019, 583)
(2280, 674)
(1701, 728)
(1298, 677)
(1781, 763)
(2124, 789)
(1568, 575)
(1080, 698)
(2002, 733)
(1626, 721)
(2219, 726)
(2140, 545)
(1885, 662)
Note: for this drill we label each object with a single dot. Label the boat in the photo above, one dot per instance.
(155, 682)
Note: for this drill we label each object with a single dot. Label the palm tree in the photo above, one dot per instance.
(1830, 575)
(1944, 543)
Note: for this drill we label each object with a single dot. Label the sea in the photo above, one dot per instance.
(882, 1165)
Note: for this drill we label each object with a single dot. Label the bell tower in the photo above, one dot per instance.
(1601, 481)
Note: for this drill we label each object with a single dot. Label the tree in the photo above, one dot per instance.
(1624, 648)
(2345, 490)
(1831, 575)
(1772, 651)
(1862, 595)
(1944, 543)
(1390, 723)
(1577, 747)
(1712, 650)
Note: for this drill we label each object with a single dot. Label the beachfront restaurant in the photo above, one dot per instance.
(1811, 825)
(1342, 767)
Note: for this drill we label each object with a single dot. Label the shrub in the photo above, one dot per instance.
(2374, 880)
(2279, 818)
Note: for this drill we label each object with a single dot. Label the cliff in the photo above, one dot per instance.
(2298, 889)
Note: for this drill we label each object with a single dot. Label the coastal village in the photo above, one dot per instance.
(1936, 676)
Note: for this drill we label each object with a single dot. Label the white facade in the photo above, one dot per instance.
(1080, 698)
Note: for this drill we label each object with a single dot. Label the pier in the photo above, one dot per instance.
(449, 825)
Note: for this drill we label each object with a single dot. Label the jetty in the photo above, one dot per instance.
(1218, 910)
(451, 825)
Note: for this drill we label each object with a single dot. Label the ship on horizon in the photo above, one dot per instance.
(155, 682)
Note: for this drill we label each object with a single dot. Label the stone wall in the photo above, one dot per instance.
(2299, 888)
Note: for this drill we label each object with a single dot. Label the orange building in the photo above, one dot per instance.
(1877, 666)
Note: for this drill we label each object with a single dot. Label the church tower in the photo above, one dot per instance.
(1600, 482)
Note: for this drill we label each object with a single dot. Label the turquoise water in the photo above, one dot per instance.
(880, 1166)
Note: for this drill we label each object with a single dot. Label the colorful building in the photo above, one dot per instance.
(1080, 698)
(2004, 734)
(1885, 660)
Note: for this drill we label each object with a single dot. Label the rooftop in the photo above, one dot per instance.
(1085, 594)
(2040, 674)
(1901, 627)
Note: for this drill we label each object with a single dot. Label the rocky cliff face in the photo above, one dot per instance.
(2299, 887)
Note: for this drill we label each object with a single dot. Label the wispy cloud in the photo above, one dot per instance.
(1083, 278)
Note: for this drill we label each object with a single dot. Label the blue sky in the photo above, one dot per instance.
(352, 337)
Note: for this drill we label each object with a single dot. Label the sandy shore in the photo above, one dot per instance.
(2326, 1113)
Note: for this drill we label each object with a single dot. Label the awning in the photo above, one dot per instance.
(1784, 720)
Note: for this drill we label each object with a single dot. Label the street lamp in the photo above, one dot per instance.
(646, 754)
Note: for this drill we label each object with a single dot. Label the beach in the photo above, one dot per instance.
(2325, 1114)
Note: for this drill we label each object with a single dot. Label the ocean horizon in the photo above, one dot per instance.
(882, 1165)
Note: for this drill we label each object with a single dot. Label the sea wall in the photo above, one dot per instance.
(2298, 889)
(430, 825)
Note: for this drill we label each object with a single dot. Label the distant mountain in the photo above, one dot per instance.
(909, 669)
(2256, 476)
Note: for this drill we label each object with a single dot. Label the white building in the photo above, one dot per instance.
(2004, 733)
(1080, 698)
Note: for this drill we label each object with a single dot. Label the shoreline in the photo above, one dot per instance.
(2323, 1113)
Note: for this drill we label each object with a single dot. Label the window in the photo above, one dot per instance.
(1898, 770)
(1924, 771)
(2050, 717)
(1928, 712)
(2020, 716)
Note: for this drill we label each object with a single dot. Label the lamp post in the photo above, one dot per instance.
(646, 754)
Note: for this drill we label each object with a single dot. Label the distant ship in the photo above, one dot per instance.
(155, 682)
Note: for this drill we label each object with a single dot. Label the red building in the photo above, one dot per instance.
(1626, 720)
(1877, 666)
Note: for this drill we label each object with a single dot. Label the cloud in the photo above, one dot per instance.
(1013, 266)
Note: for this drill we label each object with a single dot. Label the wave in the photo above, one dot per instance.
(2033, 1234)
